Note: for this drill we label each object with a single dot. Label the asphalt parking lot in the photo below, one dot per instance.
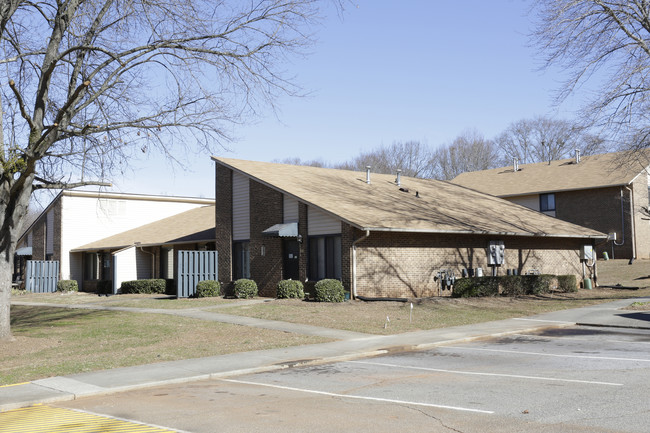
(576, 379)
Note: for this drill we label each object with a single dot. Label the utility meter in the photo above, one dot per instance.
(496, 252)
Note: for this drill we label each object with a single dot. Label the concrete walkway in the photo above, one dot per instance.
(350, 345)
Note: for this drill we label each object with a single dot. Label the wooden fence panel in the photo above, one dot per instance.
(41, 276)
(192, 267)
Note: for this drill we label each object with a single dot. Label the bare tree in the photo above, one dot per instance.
(297, 161)
(87, 84)
(543, 139)
(606, 43)
(470, 151)
(412, 157)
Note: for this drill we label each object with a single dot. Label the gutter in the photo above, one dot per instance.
(484, 232)
(354, 263)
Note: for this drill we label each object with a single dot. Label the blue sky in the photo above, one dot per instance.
(389, 71)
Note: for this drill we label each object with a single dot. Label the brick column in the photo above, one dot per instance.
(223, 222)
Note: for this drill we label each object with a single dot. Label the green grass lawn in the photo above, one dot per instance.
(53, 341)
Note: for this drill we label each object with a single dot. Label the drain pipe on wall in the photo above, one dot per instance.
(632, 224)
(153, 257)
(354, 263)
(622, 226)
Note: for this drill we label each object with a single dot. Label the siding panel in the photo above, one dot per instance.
(290, 210)
(321, 223)
(240, 207)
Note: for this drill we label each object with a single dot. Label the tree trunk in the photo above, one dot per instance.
(6, 273)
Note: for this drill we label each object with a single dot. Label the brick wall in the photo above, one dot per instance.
(599, 209)
(302, 231)
(56, 209)
(266, 207)
(38, 238)
(223, 222)
(406, 264)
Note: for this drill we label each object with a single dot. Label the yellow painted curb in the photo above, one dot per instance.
(46, 419)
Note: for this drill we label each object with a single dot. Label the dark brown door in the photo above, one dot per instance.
(290, 256)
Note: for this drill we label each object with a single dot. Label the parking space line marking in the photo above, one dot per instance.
(358, 397)
(604, 358)
(572, 338)
(476, 373)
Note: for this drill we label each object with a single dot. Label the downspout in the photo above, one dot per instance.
(354, 263)
(153, 258)
(622, 226)
(632, 224)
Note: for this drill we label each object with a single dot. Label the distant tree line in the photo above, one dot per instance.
(528, 140)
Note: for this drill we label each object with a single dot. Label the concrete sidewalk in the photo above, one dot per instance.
(350, 346)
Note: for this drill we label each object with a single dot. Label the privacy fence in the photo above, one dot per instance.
(41, 276)
(194, 266)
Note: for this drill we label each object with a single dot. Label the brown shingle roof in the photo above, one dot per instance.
(441, 207)
(195, 225)
(597, 171)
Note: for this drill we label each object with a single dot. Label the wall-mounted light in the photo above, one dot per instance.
(263, 250)
(299, 239)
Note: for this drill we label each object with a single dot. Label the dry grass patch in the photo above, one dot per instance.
(396, 317)
(613, 272)
(130, 300)
(54, 341)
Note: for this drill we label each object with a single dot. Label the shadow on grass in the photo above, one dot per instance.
(35, 317)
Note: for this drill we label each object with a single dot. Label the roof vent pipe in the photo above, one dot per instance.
(515, 165)
(368, 174)
(577, 156)
(398, 181)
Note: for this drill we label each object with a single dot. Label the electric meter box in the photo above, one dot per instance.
(496, 252)
(587, 252)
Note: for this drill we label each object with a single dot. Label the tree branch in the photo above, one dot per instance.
(47, 184)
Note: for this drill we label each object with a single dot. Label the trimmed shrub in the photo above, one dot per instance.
(245, 288)
(207, 289)
(329, 290)
(290, 289)
(567, 283)
(475, 287)
(67, 286)
(511, 285)
(152, 286)
(537, 284)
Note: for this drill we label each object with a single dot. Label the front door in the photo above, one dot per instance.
(290, 256)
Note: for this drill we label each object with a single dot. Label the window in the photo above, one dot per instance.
(325, 257)
(241, 260)
(546, 202)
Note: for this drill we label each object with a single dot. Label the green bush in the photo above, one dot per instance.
(329, 290)
(245, 288)
(207, 289)
(512, 285)
(475, 287)
(67, 286)
(567, 283)
(537, 284)
(290, 289)
(152, 286)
